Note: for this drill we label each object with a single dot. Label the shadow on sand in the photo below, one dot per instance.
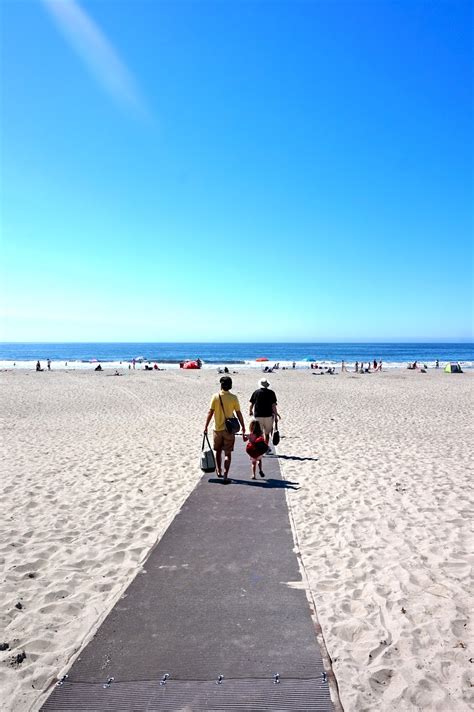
(262, 482)
(293, 457)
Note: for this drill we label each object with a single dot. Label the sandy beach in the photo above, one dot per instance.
(96, 467)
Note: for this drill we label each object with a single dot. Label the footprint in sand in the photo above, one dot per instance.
(457, 569)
(53, 596)
(428, 695)
(380, 679)
(458, 627)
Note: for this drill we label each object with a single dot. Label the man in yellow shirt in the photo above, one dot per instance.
(224, 405)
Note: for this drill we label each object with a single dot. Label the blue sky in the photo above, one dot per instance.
(236, 171)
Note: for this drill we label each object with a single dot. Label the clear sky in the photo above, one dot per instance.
(236, 171)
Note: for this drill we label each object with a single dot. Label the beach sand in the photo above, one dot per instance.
(96, 467)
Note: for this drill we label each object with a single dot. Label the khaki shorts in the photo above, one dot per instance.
(266, 424)
(223, 441)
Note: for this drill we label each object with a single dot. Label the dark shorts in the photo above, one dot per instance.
(223, 441)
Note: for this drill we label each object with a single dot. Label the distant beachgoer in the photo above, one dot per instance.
(133, 362)
(38, 366)
(256, 447)
(65, 363)
(98, 368)
(156, 367)
(375, 365)
(224, 405)
(357, 367)
(437, 364)
(263, 406)
(294, 364)
(343, 366)
(48, 364)
(380, 364)
(199, 362)
(361, 368)
(129, 366)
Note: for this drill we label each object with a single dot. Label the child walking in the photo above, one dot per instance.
(256, 448)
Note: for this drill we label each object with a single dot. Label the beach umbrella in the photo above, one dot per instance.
(262, 358)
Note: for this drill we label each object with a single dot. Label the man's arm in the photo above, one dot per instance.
(275, 412)
(208, 419)
(241, 420)
(252, 404)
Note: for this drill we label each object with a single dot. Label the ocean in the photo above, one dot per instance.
(84, 355)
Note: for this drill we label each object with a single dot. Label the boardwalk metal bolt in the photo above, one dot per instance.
(109, 682)
(219, 679)
(325, 677)
(61, 682)
(276, 678)
(164, 678)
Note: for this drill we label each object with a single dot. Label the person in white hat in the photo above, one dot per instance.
(263, 407)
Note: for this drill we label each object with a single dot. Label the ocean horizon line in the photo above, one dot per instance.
(440, 340)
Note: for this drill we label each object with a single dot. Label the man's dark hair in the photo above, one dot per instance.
(226, 383)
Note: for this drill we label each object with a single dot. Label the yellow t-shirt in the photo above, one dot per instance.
(231, 404)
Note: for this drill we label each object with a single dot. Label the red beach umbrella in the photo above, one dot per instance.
(262, 358)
